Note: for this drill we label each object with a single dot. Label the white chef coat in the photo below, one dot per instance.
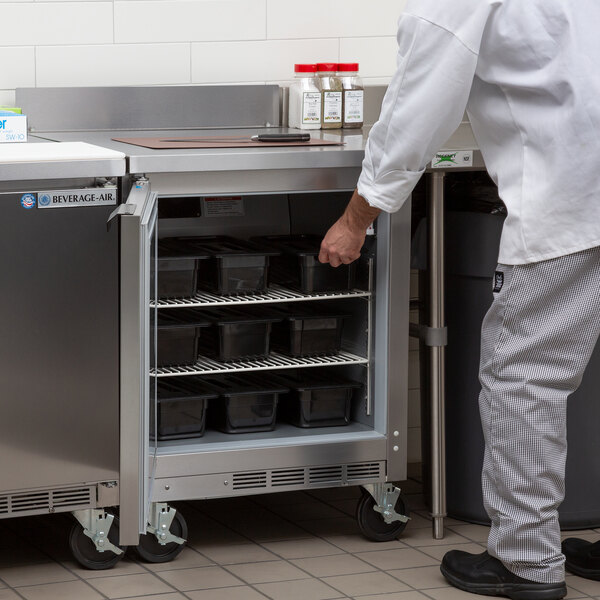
(527, 73)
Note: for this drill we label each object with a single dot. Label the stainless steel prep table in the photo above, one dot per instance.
(294, 170)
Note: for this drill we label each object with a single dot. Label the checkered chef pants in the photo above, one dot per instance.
(537, 339)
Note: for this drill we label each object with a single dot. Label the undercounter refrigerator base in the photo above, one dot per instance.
(59, 328)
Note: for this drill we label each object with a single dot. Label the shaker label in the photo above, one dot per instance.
(332, 110)
(311, 107)
(353, 106)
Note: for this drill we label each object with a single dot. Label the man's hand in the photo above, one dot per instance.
(343, 241)
(342, 244)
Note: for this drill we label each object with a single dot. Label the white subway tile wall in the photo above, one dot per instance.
(166, 42)
(174, 42)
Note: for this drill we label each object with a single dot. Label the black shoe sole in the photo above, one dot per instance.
(515, 591)
(582, 571)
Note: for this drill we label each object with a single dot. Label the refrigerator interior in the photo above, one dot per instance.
(261, 215)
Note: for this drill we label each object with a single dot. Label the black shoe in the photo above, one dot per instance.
(486, 575)
(583, 558)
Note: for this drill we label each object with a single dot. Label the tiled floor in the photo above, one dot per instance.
(290, 546)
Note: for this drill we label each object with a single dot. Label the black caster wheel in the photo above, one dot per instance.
(85, 552)
(371, 523)
(151, 551)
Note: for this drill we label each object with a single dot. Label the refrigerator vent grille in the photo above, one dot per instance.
(286, 477)
(249, 481)
(326, 474)
(363, 471)
(47, 501)
(295, 478)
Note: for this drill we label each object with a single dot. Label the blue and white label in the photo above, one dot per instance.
(103, 196)
(28, 201)
(44, 200)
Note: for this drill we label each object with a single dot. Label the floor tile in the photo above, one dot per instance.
(347, 506)
(267, 572)
(230, 593)
(396, 596)
(327, 527)
(405, 558)
(328, 566)
(35, 574)
(130, 585)
(173, 596)
(359, 543)
(69, 590)
(421, 578)
(438, 552)
(123, 567)
(418, 522)
(363, 584)
(240, 553)
(304, 589)
(587, 586)
(476, 533)
(199, 579)
(423, 537)
(214, 536)
(307, 511)
(187, 559)
(307, 548)
(267, 529)
(451, 594)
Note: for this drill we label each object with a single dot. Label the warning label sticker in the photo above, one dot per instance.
(223, 206)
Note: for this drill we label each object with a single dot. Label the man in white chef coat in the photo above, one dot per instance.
(526, 72)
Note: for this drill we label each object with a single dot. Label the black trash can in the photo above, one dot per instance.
(472, 242)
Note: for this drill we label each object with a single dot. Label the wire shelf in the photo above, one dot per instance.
(273, 296)
(207, 366)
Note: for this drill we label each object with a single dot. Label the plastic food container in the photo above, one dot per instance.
(178, 333)
(298, 267)
(177, 270)
(246, 404)
(233, 266)
(318, 399)
(238, 334)
(181, 409)
(308, 332)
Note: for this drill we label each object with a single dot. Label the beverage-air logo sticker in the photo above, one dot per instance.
(452, 160)
(75, 198)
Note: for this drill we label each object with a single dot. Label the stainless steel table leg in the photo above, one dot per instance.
(437, 320)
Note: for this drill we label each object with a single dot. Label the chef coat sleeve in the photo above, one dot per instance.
(423, 106)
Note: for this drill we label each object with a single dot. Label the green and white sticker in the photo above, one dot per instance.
(452, 159)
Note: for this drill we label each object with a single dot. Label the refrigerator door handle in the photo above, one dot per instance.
(122, 209)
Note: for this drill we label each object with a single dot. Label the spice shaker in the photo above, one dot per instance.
(353, 99)
(305, 99)
(331, 91)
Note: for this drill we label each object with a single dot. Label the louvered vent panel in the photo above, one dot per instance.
(326, 474)
(248, 481)
(285, 477)
(71, 498)
(26, 502)
(363, 471)
(3, 505)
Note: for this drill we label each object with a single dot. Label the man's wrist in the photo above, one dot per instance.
(359, 214)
